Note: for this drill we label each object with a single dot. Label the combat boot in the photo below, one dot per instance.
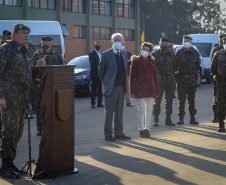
(7, 171)
(221, 127)
(156, 120)
(169, 121)
(215, 118)
(193, 121)
(181, 120)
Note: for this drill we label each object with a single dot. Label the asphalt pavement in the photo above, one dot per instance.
(184, 154)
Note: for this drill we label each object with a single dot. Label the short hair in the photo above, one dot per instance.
(97, 42)
(115, 35)
(147, 44)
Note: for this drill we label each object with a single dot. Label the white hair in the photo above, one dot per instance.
(115, 35)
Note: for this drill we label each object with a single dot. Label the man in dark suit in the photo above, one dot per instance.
(129, 54)
(112, 72)
(96, 85)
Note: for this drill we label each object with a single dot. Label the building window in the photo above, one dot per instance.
(101, 33)
(79, 32)
(43, 4)
(11, 2)
(101, 7)
(73, 5)
(128, 34)
(125, 8)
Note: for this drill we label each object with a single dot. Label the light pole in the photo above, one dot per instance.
(143, 23)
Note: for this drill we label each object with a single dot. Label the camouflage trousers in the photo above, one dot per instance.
(13, 124)
(214, 105)
(169, 94)
(221, 102)
(189, 93)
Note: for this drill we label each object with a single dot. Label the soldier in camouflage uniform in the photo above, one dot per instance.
(218, 69)
(214, 105)
(51, 57)
(6, 35)
(165, 63)
(15, 75)
(187, 65)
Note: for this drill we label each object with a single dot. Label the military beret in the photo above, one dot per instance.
(224, 38)
(21, 27)
(222, 35)
(187, 37)
(163, 39)
(46, 38)
(6, 32)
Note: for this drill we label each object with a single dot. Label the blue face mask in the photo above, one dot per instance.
(117, 45)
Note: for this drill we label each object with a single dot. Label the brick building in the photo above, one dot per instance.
(82, 21)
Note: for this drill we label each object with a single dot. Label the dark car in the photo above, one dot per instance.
(82, 74)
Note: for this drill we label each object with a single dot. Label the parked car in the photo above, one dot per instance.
(82, 74)
(200, 72)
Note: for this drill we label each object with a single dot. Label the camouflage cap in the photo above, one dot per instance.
(187, 37)
(6, 32)
(20, 26)
(224, 38)
(46, 38)
(222, 35)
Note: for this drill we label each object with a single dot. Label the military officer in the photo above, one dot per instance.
(6, 35)
(214, 105)
(51, 57)
(165, 63)
(218, 69)
(15, 75)
(187, 65)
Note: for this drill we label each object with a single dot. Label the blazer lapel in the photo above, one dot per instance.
(125, 60)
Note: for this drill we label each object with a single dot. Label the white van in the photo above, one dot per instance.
(205, 44)
(38, 30)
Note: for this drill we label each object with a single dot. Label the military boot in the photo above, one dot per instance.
(7, 171)
(156, 120)
(221, 127)
(169, 121)
(193, 121)
(215, 118)
(181, 120)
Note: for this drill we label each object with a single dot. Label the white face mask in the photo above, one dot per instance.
(187, 44)
(122, 47)
(144, 53)
(224, 46)
(117, 45)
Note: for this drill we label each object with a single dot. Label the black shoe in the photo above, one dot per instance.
(7, 171)
(92, 105)
(39, 133)
(17, 170)
(155, 124)
(100, 105)
(129, 104)
(170, 124)
(109, 138)
(180, 122)
(122, 137)
(221, 129)
(168, 121)
(193, 121)
(214, 120)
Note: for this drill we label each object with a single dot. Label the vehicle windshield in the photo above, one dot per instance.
(204, 48)
(81, 62)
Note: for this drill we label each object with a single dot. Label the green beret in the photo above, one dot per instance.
(224, 38)
(47, 38)
(20, 26)
(187, 37)
(6, 32)
(222, 35)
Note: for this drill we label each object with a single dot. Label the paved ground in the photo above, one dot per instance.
(183, 154)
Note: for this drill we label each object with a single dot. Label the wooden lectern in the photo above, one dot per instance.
(56, 150)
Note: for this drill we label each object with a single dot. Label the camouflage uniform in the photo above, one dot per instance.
(165, 63)
(187, 64)
(214, 105)
(15, 73)
(218, 68)
(53, 58)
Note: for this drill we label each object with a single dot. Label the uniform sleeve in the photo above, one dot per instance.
(133, 77)
(213, 51)
(198, 61)
(214, 64)
(3, 61)
(60, 59)
(156, 80)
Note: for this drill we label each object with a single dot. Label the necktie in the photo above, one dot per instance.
(118, 53)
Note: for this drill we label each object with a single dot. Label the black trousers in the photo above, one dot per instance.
(96, 90)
